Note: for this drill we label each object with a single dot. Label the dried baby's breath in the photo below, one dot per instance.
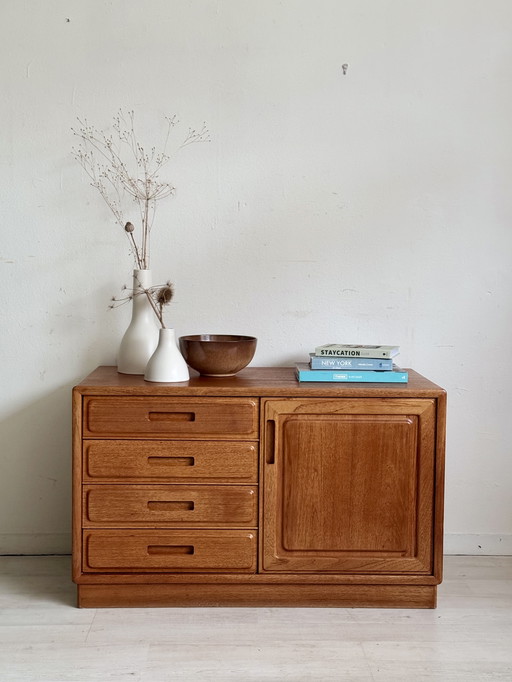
(121, 169)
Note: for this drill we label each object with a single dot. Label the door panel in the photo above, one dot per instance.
(348, 489)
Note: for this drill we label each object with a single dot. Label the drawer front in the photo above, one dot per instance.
(170, 551)
(154, 506)
(172, 461)
(154, 417)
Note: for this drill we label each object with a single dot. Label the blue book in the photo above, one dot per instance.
(393, 376)
(317, 362)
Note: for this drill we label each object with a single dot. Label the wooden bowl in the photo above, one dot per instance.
(218, 355)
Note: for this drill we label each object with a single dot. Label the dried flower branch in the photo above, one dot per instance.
(121, 168)
(158, 296)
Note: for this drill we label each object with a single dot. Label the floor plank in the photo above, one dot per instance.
(44, 638)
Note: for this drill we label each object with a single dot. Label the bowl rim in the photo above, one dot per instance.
(218, 338)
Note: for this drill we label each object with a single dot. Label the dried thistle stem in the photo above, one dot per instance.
(158, 296)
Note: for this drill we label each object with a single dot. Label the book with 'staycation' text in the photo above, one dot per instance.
(393, 376)
(356, 351)
(317, 362)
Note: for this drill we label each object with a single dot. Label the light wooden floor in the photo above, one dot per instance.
(44, 638)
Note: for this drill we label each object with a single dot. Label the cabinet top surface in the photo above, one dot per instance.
(252, 381)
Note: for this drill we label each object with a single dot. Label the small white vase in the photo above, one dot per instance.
(167, 363)
(141, 337)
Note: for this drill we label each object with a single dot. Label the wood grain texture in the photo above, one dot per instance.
(190, 418)
(252, 381)
(439, 485)
(369, 596)
(268, 578)
(76, 478)
(166, 480)
(171, 461)
(170, 506)
(349, 486)
(147, 550)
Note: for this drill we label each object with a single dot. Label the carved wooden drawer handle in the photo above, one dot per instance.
(172, 416)
(270, 457)
(157, 505)
(172, 461)
(170, 549)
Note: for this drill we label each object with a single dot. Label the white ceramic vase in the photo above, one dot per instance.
(167, 363)
(141, 338)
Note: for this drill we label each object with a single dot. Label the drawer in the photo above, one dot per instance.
(171, 550)
(155, 417)
(153, 506)
(170, 461)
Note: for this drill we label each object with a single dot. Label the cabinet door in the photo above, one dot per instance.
(348, 485)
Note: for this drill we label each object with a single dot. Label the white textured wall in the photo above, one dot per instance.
(368, 207)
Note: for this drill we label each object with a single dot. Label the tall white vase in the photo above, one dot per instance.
(141, 338)
(167, 363)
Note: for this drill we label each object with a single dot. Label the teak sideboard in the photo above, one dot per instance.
(257, 490)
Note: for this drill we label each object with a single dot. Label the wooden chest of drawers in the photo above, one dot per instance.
(257, 490)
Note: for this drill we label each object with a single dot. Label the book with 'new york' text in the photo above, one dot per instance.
(317, 362)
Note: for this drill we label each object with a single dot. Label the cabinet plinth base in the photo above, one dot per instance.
(201, 595)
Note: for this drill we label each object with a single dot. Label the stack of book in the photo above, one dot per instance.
(339, 362)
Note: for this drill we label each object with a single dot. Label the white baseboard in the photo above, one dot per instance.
(60, 543)
(489, 544)
(35, 543)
